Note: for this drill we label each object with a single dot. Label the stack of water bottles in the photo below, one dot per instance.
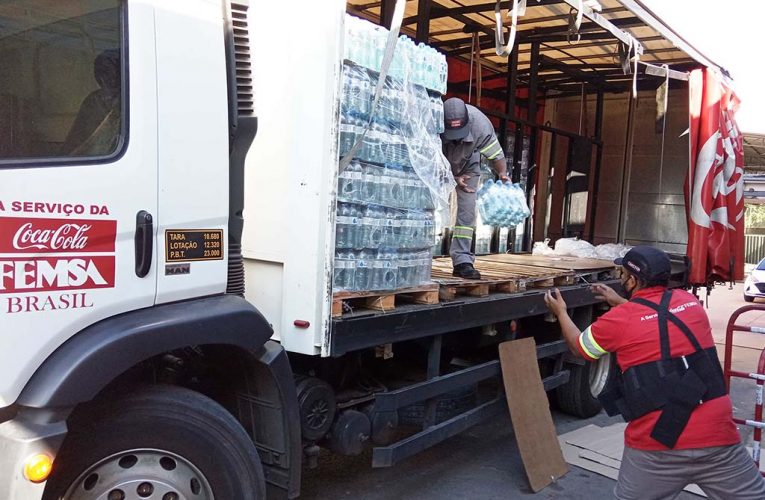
(418, 63)
(385, 225)
(502, 204)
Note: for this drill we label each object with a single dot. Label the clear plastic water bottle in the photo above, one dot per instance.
(397, 185)
(344, 271)
(374, 227)
(353, 90)
(385, 269)
(363, 275)
(380, 37)
(350, 270)
(370, 191)
(377, 134)
(389, 227)
(341, 226)
(486, 202)
(351, 48)
(382, 181)
(404, 229)
(424, 265)
(407, 188)
(427, 202)
(429, 230)
(521, 196)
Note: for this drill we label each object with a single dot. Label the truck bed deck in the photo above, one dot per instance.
(512, 288)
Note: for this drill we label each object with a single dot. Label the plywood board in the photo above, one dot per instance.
(530, 412)
(553, 262)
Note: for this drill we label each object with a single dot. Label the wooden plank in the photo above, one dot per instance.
(384, 301)
(554, 262)
(545, 283)
(565, 280)
(424, 297)
(447, 293)
(380, 303)
(337, 308)
(450, 291)
(530, 412)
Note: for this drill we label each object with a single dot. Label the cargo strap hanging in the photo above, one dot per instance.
(519, 9)
(629, 58)
(574, 23)
(390, 48)
(676, 386)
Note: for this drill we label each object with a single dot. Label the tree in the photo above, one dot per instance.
(754, 216)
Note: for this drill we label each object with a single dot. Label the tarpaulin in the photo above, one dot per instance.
(714, 187)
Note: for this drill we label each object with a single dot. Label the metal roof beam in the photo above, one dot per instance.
(579, 74)
(610, 26)
(442, 11)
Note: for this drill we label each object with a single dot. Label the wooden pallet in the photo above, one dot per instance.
(497, 277)
(563, 263)
(343, 302)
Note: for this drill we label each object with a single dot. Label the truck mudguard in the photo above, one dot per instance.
(88, 361)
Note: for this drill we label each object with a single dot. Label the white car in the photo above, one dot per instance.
(754, 286)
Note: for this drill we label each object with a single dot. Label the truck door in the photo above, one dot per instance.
(78, 173)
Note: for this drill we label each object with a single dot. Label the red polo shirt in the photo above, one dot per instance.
(632, 331)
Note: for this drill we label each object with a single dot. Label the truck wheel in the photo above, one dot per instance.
(163, 442)
(579, 395)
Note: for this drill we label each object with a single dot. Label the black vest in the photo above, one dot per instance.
(676, 386)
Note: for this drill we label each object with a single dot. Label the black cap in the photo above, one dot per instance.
(648, 263)
(456, 120)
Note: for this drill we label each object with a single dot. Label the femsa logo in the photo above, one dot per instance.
(42, 255)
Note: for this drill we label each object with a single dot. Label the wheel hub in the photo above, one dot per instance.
(599, 374)
(142, 474)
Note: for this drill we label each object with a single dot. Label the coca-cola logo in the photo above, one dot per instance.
(65, 237)
(31, 235)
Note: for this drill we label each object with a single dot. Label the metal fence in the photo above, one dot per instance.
(754, 248)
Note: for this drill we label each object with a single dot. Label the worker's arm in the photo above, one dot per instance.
(568, 329)
(603, 292)
(500, 167)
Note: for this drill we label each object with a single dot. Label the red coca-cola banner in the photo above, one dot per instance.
(714, 187)
(20, 235)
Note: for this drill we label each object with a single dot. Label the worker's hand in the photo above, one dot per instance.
(462, 183)
(555, 302)
(504, 177)
(603, 292)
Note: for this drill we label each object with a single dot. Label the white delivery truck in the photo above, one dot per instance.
(168, 175)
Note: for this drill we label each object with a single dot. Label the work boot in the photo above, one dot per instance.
(466, 271)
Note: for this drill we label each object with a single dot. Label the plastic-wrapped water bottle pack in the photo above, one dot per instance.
(502, 204)
(419, 63)
(384, 227)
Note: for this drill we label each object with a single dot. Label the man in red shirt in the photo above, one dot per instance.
(681, 428)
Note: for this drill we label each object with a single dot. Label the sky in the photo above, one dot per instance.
(730, 33)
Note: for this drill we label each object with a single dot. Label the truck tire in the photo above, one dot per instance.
(578, 396)
(159, 442)
(448, 405)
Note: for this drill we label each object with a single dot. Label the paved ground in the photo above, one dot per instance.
(484, 463)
